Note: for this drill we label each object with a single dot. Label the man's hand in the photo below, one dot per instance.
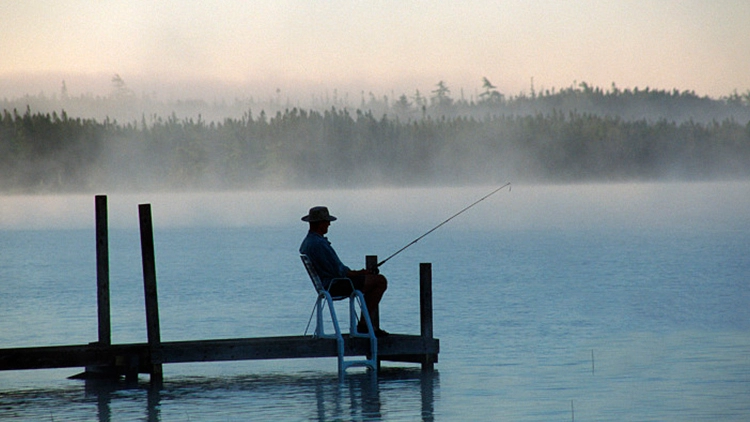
(364, 272)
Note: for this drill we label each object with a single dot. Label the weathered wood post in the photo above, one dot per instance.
(149, 287)
(102, 290)
(425, 309)
(371, 261)
(102, 270)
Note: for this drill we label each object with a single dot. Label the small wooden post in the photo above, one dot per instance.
(425, 308)
(149, 287)
(371, 261)
(102, 270)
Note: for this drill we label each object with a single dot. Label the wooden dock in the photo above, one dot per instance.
(135, 358)
(102, 358)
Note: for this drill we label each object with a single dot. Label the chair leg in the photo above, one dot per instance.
(319, 326)
(356, 298)
(324, 301)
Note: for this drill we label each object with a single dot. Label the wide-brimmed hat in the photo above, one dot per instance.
(318, 214)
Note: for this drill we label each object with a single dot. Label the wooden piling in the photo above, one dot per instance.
(425, 309)
(102, 291)
(371, 261)
(150, 292)
(102, 270)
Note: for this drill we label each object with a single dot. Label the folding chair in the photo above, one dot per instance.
(325, 299)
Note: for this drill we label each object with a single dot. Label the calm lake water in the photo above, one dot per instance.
(592, 302)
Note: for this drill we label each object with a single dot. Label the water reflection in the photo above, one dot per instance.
(404, 393)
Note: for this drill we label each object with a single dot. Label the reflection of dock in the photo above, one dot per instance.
(104, 358)
(405, 393)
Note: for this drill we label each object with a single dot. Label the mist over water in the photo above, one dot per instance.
(691, 206)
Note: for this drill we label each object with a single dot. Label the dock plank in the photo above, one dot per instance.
(396, 347)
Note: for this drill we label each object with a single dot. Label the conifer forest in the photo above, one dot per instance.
(577, 134)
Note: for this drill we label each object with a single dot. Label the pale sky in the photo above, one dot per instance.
(252, 48)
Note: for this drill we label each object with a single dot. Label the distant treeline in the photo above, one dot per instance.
(123, 105)
(41, 152)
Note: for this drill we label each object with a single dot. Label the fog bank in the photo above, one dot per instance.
(682, 206)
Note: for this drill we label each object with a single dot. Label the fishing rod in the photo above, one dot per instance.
(441, 224)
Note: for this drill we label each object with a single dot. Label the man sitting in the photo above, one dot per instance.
(328, 266)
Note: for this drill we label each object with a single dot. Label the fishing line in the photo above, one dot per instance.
(441, 224)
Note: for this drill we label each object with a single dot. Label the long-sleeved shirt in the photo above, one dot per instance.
(325, 260)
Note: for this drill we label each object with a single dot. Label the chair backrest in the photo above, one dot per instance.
(312, 273)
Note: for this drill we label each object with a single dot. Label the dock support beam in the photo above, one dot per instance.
(102, 270)
(102, 290)
(149, 288)
(371, 261)
(425, 309)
